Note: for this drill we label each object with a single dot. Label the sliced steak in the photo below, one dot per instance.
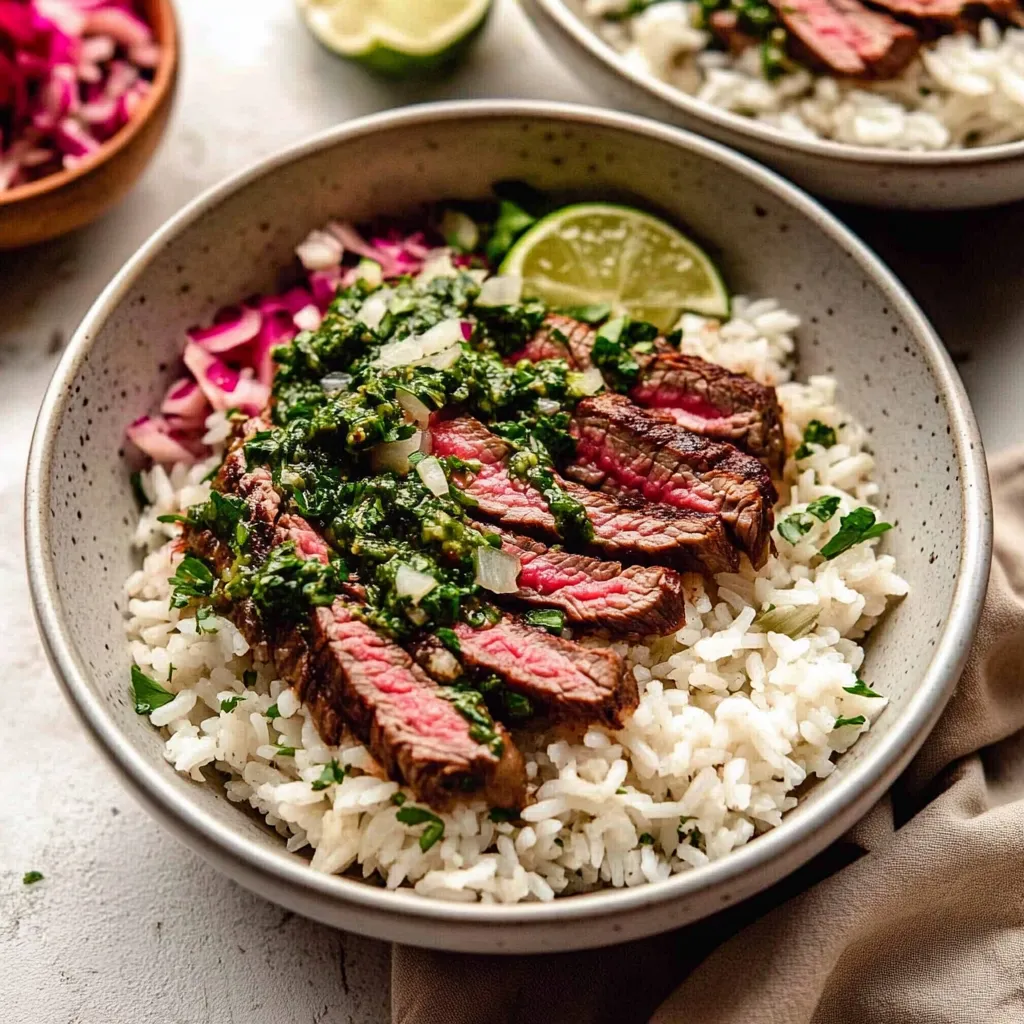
(622, 449)
(255, 486)
(709, 400)
(725, 27)
(846, 38)
(561, 337)
(634, 601)
(949, 15)
(346, 673)
(541, 346)
(628, 528)
(568, 682)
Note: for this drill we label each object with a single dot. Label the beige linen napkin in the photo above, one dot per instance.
(916, 916)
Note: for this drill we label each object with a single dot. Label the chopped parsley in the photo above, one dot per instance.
(449, 638)
(470, 704)
(332, 774)
(516, 705)
(614, 346)
(147, 693)
(550, 619)
(31, 877)
(271, 713)
(861, 689)
(856, 720)
(420, 816)
(230, 703)
(399, 798)
(824, 508)
(859, 525)
(204, 613)
(794, 526)
(192, 578)
(646, 839)
(284, 751)
(511, 222)
(815, 432)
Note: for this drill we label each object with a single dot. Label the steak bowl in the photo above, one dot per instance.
(985, 175)
(860, 325)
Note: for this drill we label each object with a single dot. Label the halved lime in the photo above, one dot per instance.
(601, 253)
(396, 37)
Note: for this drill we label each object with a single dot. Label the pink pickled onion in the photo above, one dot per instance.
(224, 387)
(233, 326)
(154, 436)
(185, 398)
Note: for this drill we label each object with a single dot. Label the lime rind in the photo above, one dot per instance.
(604, 253)
(368, 33)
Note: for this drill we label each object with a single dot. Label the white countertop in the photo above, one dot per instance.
(128, 927)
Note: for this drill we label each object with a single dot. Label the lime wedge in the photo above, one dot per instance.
(396, 37)
(600, 253)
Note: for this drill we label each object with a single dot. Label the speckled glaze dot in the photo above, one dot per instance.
(81, 510)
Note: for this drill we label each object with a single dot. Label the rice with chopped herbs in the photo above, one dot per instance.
(732, 718)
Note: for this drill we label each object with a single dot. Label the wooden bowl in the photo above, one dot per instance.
(70, 199)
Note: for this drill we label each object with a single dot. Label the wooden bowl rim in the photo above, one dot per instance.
(165, 27)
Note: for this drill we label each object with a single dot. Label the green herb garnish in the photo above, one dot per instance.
(449, 638)
(332, 774)
(398, 798)
(204, 613)
(192, 578)
(823, 509)
(815, 432)
(646, 839)
(31, 877)
(500, 814)
(284, 751)
(516, 705)
(613, 351)
(861, 689)
(856, 720)
(230, 703)
(271, 713)
(147, 693)
(419, 816)
(858, 526)
(511, 222)
(550, 619)
(593, 314)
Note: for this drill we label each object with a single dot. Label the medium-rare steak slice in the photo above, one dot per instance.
(620, 448)
(846, 38)
(568, 682)
(562, 337)
(628, 528)
(634, 601)
(710, 400)
(949, 15)
(346, 673)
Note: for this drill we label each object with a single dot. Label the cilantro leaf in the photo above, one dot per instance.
(449, 638)
(516, 705)
(861, 689)
(823, 509)
(271, 713)
(283, 751)
(31, 877)
(858, 526)
(172, 517)
(816, 432)
(856, 720)
(203, 613)
(399, 798)
(613, 350)
(646, 839)
(333, 774)
(793, 527)
(147, 693)
(550, 619)
(191, 579)
(230, 703)
(419, 815)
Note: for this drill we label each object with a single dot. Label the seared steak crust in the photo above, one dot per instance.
(568, 682)
(627, 528)
(710, 400)
(622, 449)
(628, 601)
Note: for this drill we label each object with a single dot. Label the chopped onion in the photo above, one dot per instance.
(395, 454)
(460, 230)
(336, 381)
(154, 436)
(374, 308)
(233, 327)
(505, 290)
(589, 382)
(443, 665)
(431, 472)
(415, 409)
(496, 570)
(308, 318)
(319, 251)
(442, 360)
(184, 398)
(411, 583)
(438, 263)
(371, 272)
(441, 336)
(548, 406)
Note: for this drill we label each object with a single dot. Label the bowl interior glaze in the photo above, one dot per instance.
(769, 239)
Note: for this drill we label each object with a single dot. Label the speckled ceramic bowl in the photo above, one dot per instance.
(946, 180)
(771, 239)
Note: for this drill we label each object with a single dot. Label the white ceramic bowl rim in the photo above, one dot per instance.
(573, 25)
(790, 844)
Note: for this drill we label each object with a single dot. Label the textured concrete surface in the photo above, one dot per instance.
(128, 927)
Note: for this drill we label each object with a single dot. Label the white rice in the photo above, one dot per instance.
(960, 91)
(731, 720)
